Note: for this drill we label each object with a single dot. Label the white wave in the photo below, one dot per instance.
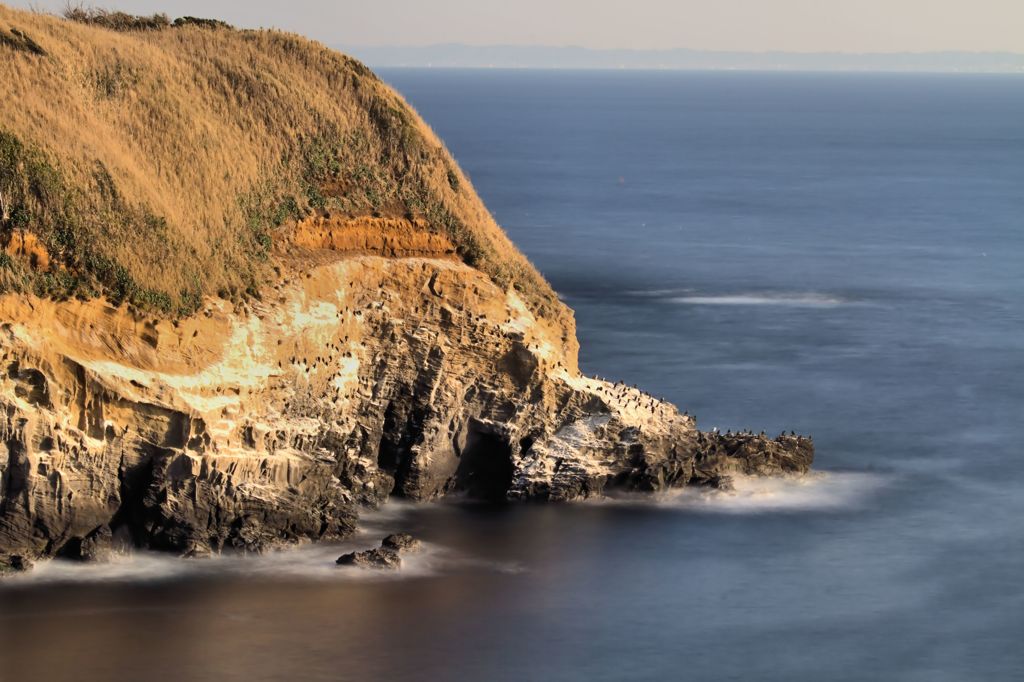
(134, 567)
(313, 562)
(796, 300)
(812, 492)
(816, 491)
(658, 293)
(387, 516)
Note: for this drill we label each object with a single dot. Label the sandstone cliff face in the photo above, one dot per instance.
(373, 367)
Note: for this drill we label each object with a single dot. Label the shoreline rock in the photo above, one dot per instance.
(15, 563)
(401, 542)
(388, 555)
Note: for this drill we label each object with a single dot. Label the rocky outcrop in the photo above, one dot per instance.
(400, 542)
(359, 378)
(388, 555)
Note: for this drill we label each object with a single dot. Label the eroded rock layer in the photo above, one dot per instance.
(358, 377)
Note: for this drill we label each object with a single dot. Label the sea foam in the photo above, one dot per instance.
(816, 491)
(311, 562)
(793, 300)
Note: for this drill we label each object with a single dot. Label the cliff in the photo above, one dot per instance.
(291, 309)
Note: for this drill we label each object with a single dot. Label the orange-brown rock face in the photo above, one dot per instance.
(390, 237)
(25, 245)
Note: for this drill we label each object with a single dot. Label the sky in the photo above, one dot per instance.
(738, 25)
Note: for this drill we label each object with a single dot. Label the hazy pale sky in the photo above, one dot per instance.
(790, 25)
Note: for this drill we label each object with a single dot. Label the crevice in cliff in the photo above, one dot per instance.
(132, 517)
(29, 384)
(14, 481)
(485, 463)
(402, 428)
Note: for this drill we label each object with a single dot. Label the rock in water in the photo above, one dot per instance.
(388, 555)
(400, 542)
(378, 557)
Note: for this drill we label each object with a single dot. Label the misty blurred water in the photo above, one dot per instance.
(842, 255)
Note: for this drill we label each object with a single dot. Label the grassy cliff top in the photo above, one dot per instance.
(151, 160)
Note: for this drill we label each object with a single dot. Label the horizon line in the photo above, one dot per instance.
(808, 53)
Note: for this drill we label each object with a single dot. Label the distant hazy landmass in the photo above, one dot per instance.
(531, 57)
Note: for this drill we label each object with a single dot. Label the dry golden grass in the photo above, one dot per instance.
(154, 164)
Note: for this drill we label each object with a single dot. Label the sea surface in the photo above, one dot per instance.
(842, 255)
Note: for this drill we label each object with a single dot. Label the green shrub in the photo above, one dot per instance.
(69, 223)
(117, 21)
(201, 23)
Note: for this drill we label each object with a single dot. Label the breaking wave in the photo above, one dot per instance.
(816, 491)
(308, 562)
(807, 300)
(797, 299)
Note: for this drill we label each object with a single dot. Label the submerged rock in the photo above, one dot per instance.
(400, 542)
(378, 557)
(388, 555)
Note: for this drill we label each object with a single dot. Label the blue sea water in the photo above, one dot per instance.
(842, 255)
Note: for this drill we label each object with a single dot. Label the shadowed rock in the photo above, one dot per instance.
(400, 542)
(96, 546)
(16, 563)
(371, 558)
(388, 555)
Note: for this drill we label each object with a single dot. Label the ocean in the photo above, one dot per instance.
(837, 254)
